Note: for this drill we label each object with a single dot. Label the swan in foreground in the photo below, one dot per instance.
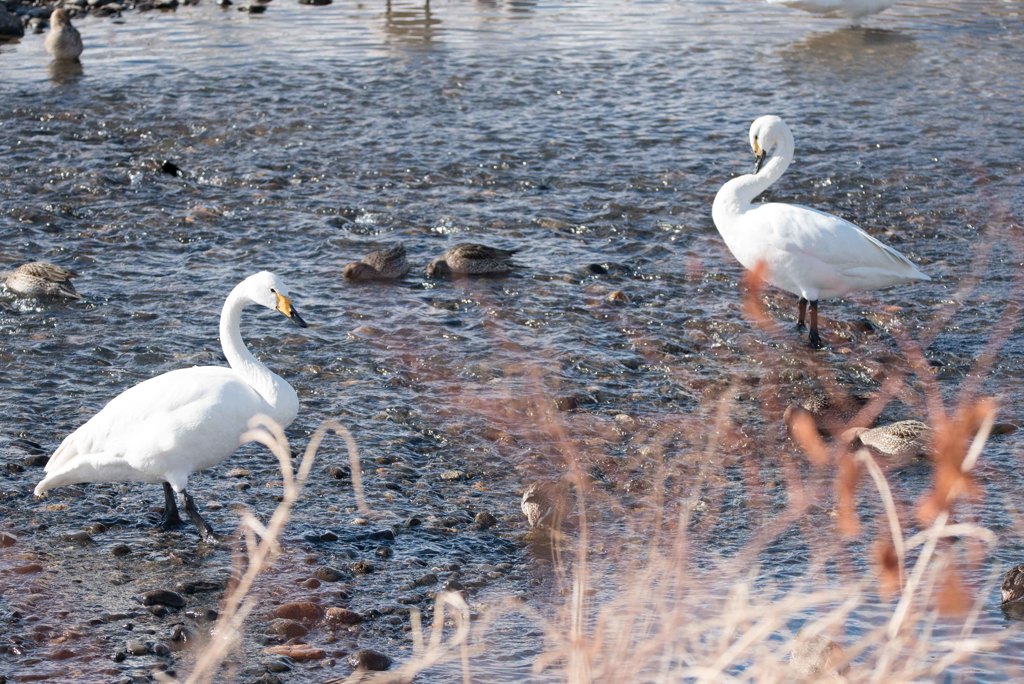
(63, 41)
(807, 252)
(851, 9)
(468, 258)
(41, 279)
(387, 264)
(170, 426)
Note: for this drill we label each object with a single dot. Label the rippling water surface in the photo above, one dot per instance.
(592, 136)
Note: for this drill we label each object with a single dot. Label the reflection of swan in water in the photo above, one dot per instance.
(850, 9)
(854, 50)
(414, 23)
(62, 72)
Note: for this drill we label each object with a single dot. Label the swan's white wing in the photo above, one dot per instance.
(200, 413)
(815, 254)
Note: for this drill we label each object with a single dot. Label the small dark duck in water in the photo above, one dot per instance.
(41, 279)
(830, 413)
(63, 41)
(386, 264)
(469, 259)
(902, 439)
(1013, 593)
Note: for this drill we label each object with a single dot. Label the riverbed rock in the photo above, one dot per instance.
(368, 659)
(10, 25)
(7, 539)
(303, 611)
(297, 652)
(287, 629)
(362, 567)
(326, 574)
(163, 597)
(343, 616)
(485, 520)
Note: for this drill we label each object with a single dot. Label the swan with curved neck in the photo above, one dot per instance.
(170, 426)
(810, 253)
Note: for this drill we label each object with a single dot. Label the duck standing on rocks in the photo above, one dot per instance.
(386, 264)
(63, 41)
(41, 279)
(471, 259)
(902, 439)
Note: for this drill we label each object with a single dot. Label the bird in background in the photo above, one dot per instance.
(808, 252)
(386, 264)
(170, 426)
(471, 259)
(41, 279)
(63, 41)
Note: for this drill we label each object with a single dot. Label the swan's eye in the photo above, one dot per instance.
(273, 290)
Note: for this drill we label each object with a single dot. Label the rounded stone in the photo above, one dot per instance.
(303, 611)
(485, 520)
(367, 659)
(343, 616)
(163, 597)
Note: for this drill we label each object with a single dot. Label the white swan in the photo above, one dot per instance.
(805, 251)
(851, 9)
(166, 428)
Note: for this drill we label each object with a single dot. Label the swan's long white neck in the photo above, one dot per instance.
(241, 360)
(736, 196)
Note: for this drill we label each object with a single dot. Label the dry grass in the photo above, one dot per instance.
(881, 594)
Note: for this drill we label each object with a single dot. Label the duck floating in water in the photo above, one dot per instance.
(170, 426)
(63, 41)
(41, 279)
(471, 259)
(807, 252)
(387, 264)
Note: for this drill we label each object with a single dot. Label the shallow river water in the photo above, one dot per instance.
(593, 137)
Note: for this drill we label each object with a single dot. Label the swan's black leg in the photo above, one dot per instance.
(815, 337)
(803, 312)
(171, 518)
(205, 531)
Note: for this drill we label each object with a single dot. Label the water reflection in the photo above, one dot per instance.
(854, 49)
(63, 72)
(413, 23)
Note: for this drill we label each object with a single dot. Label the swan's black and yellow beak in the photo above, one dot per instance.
(759, 157)
(284, 305)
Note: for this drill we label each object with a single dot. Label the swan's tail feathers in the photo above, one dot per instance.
(98, 467)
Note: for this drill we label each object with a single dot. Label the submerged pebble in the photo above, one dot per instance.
(367, 659)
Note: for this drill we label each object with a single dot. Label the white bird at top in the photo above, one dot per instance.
(810, 253)
(851, 9)
(168, 427)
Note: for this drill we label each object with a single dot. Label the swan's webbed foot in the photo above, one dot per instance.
(205, 531)
(815, 340)
(171, 519)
